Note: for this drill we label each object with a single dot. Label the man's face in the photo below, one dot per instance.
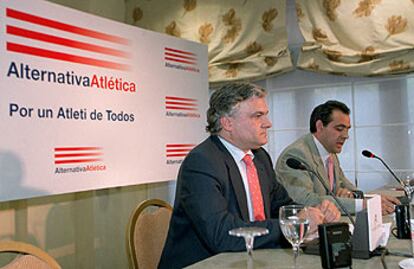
(248, 125)
(334, 135)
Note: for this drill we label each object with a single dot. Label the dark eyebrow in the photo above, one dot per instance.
(342, 126)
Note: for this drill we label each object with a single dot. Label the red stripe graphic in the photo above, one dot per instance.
(77, 155)
(179, 51)
(77, 148)
(180, 98)
(178, 60)
(65, 57)
(179, 145)
(178, 150)
(74, 155)
(180, 103)
(180, 56)
(177, 155)
(78, 161)
(180, 108)
(64, 41)
(19, 15)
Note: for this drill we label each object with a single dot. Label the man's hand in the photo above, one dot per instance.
(345, 193)
(315, 217)
(388, 204)
(322, 213)
(330, 211)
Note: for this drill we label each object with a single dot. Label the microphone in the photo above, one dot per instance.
(297, 165)
(407, 189)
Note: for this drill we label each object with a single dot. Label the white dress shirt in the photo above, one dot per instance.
(238, 156)
(359, 203)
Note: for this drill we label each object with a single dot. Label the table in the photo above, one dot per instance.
(283, 258)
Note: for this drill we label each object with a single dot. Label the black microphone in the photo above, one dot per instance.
(407, 189)
(295, 164)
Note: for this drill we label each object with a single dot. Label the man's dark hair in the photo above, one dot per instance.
(323, 112)
(224, 102)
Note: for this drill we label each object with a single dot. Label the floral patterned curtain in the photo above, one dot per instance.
(357, 37)
(246, 39)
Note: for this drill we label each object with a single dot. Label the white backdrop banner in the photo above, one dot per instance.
(88, 103)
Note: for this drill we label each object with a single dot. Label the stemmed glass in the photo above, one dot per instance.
(249, 233)
(294, 223)
(407, 178)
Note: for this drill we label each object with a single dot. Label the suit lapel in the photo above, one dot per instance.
(235, 179)
(336, 172)
(317, 160)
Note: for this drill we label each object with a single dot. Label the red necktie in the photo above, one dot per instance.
(254, 187)
(331, 175)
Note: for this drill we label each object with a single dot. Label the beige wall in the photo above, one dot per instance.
(81, 230)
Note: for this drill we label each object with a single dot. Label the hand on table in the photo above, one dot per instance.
(315, 217)
(345, 193)
(330, 211)
(325, 212)
(388, 204)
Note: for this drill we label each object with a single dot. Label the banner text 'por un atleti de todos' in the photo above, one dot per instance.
(88, 103)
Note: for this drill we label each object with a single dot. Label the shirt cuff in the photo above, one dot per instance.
(359, 205)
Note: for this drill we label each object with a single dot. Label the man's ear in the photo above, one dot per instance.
(319, 125)
(226, 123)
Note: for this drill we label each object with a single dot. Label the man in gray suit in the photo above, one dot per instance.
(329, 126)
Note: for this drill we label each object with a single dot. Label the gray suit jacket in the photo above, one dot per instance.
(304, 187)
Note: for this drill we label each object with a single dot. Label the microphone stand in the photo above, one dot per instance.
(295, 164)
(333, 196)
(408, 189)
(360, 250)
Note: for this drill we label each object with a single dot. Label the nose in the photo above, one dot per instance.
(266, 123)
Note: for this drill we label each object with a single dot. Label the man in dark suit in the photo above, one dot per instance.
(215, 192)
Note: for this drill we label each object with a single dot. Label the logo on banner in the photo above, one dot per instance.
(176, 152)
(78, 159)
(37, 36)
(181, 59)
(181, 107)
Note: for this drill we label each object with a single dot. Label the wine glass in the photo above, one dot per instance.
(249, 233)
(294, 223)
(407, 178)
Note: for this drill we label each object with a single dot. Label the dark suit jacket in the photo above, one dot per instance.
(211, 200)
